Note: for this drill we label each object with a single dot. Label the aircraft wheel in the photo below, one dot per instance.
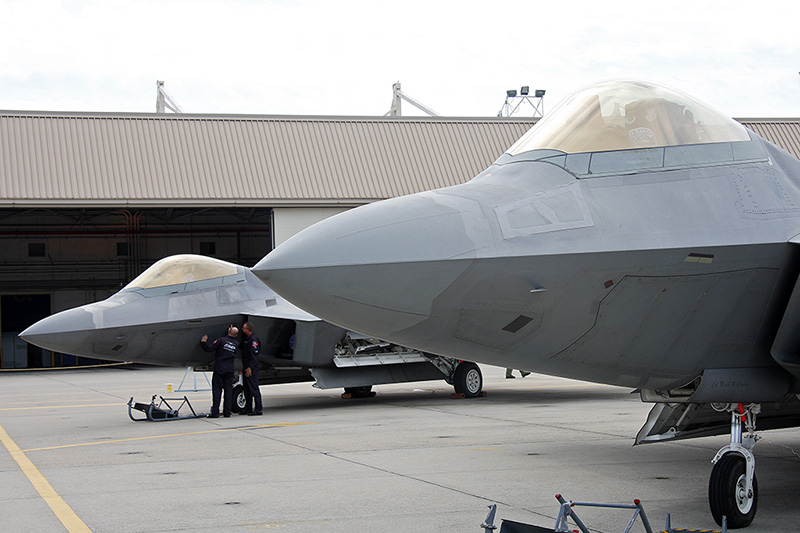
(359, 392)
(238, 399)
(468, 379)
(727, 495)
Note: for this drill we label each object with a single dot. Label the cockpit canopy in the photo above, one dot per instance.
(181, 269)
(625, 114)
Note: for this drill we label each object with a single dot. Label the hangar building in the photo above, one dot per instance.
(89, 200)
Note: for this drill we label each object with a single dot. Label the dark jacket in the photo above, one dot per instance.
(251, 347)
(225, 348)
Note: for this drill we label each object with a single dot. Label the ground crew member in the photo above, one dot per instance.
(251, 348)
(222, 380)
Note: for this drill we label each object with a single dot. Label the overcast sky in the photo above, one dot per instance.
(341, 57)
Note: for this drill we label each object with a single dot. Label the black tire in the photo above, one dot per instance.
(726, 495)
(468, 379)
(359, 392)
(238, 399)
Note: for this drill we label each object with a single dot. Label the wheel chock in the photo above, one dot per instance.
(351, 396)
(461, 395)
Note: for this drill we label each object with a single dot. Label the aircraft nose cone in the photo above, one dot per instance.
(375, 267)
(63, 332)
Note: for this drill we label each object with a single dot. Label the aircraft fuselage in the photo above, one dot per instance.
(634, 278)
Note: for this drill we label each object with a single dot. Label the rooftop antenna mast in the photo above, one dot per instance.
(514, 102)
(164, 101)
(398, 96)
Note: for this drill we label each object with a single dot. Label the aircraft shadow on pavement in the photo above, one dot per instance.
(535, 397)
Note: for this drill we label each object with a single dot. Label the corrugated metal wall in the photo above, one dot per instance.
(152, 160)
(783, 132)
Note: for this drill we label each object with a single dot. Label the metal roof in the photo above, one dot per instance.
(145, 160)
(785, 132)
(140, 160)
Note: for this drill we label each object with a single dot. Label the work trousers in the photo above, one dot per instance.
(222, 382)
(251, 393)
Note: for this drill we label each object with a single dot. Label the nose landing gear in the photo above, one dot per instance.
(732, 488)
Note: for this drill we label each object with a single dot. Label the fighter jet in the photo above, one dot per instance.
(159, 317)
(634, 236)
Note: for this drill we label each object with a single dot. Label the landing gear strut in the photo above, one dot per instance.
(732, 489)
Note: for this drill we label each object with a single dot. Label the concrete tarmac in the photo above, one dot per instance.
(409, 459)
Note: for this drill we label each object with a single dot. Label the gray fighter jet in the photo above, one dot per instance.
(159, 317)
(634, 237)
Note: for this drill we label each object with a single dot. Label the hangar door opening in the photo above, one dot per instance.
(102, 249)
(17, 312)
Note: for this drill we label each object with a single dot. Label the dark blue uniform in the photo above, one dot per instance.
(251, 348)
(225, 348)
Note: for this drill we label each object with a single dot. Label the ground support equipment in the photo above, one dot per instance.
(181, 387)
(161, 411)
(567, 511)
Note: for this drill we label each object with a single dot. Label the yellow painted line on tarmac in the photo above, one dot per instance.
(57, 504)
(219, 430)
